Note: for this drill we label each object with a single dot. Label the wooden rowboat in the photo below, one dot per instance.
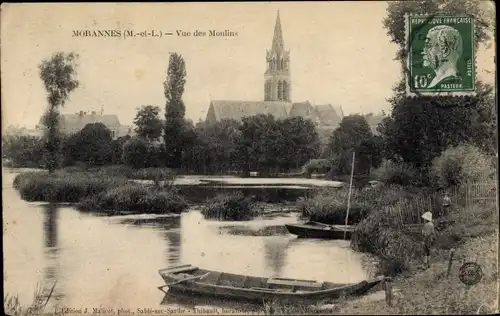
(320, 230)
(189, 279)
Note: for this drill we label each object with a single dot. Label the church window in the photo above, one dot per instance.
(267, 91)
(280, 90)
(285, 91)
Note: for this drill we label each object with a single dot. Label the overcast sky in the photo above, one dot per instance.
(340, 54)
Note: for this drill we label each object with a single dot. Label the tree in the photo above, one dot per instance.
(418, 129)
(257, 146)
(59, 78)
(174, 110)
(354, 135)
(23, 151)
(298, 143)
(215, 148)
(117, 149)
(92, 145)
(394, 22)
(135, 150)
(148, 123)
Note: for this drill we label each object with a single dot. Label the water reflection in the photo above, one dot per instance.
(51, 271)
(275, 250)
(172, 236)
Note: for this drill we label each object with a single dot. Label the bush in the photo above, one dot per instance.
(135, 150)
(330, 205)
(399, 174)
(461, 164)
(231, 208)
(317, 166)
(61, 187)
(135, 199)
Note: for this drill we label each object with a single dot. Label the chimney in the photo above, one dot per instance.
(81, 113)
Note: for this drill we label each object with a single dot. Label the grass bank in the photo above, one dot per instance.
(427, 292)
(14, 307)
(330, 205)
(95, 192)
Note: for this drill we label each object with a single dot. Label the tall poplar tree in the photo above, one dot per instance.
(174, 110)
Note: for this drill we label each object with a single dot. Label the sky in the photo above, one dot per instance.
(340, 54)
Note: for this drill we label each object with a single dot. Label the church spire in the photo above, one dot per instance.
(277, 85)
(278, 44)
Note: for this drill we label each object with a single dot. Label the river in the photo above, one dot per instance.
(113, 262)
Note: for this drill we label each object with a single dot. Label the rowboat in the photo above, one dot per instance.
(189, 279)
(320, 230)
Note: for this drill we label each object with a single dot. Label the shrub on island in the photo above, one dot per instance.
(235, 207)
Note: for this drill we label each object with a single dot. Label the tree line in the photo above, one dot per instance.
(417, 131)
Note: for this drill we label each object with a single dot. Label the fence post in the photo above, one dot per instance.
(388, 290)
(450, 260)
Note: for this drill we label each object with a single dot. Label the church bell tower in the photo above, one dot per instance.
(277, 86)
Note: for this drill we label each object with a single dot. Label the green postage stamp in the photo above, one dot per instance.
(440, 56)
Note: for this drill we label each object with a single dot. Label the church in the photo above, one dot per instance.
(277, 94)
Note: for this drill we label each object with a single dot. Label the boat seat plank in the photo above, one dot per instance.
(313, 284)
(180, 269)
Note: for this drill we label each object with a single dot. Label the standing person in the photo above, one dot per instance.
(446, 204)
(428, 232)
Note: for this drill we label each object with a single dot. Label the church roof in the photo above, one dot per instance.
(227, 109)
(278, 42)
(302, 109)
(327, 114)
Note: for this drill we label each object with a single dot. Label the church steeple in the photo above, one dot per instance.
(278, 44)
(277, 76)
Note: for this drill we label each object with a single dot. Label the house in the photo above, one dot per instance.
(73, 123)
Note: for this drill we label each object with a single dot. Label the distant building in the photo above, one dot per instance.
(73, 123)
(277, 94)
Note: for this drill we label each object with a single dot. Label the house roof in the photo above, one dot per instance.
(226, 109)
(74, 122)
(327, 114)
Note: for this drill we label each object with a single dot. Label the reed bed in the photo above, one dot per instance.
(234, 207)
(97, 193)
(330, 205)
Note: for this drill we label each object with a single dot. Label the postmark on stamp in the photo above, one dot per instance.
(470, 273)
(441, 55)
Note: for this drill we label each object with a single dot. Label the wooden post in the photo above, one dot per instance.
(349, 196)
(450, 260)
(388, 290)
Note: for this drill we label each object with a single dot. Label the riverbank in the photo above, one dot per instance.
(429, 291)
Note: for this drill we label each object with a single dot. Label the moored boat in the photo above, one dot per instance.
(193, 280)
(320, 230)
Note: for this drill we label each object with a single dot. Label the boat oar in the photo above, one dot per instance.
(320, 224)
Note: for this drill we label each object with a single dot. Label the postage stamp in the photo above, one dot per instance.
(441, 55)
